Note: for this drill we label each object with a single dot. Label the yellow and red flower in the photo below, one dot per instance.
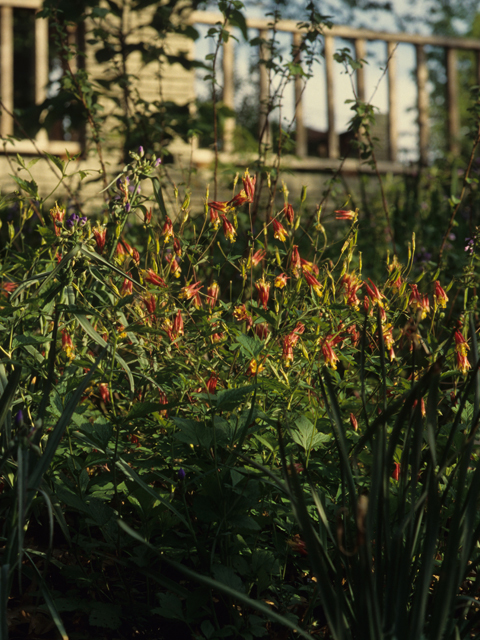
(228, 229)
(461, 348)
(249, 185)
(295, 261)
(127, 287)
(150, 276)
(289, 214)
(257, 257)
(100, 238)
(279, 231)
(313, 282)
(439, 296)
(263, 289)
(344, 214)
(58, 215)
(67, 344)
(281, 281)
(213, 292)
(167, 230)
(192, 291)
(212, 384)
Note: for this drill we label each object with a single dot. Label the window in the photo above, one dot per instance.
(25, 72)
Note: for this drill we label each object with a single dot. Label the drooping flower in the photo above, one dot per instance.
(344, 214)
(439, 296)
(104, 392)
(352, 284)
(240, 314)
(57, 214)
(213, 292)
(249, 185)
(212, 384)
(127, 287)
(298, 545)
(279, 231)
(162, 397)
(222, 207)
(150, 303)
(175, 268)
(328, 353)
(263, 289)
(150, 276)
(262, 330)
(254, 368)
(214, 219)
(309, 267)
(100, 238)
(228, 229)
(373, 293)
(167, 230)
(8, 287)
(177, 247)
(177, 327)
(313, 282)
(289, 214)
(281, 281)
(295, 261)
(461, 348)
(289, 341)
(192, 291)
(257, 257)
(67, 344)
(239, 199)
(354, 422)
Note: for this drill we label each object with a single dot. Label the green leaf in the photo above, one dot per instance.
(250, 347)
(230, 399)
(306, 435)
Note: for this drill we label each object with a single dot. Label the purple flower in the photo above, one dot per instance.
(157, 162)
(181, 474)
(128, 207)
(19, 419)
(141, 152)
(70, 224)
(469, 245)
(83, 221)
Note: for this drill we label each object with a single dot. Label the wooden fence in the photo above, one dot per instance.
(359, 38)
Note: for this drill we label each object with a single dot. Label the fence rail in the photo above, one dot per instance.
(359, 38)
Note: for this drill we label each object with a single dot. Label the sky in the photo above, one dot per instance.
(314, 101)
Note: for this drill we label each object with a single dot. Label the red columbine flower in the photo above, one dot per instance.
(373, 293)
(177, 247)
(298, 545)
(329, 355)
(280, 233)
(289, 214)
(67, 343)
(262, 330)
(148, 216)
(396, 471)
(8, 287)
(100, 238)
(281, 281)
(263, 289)
(213, 292)
(191, 291)
(439, 296)
(228, 229)
(58, 215)
(104, 392)
(240, 314)
(354, 422)
(127, 287)
(222, 207)
(352, 284)
(238, 199)
(289, 341)
(314, 283)
(257, 257)
(167, 230)
(249, 185)
(388, 340)
(178, 329)
(308, 266)
(254, 368)
(150, 276)
(214, 219)
(150, 303)
(174, 266)
(212, 384)
(344, 214)
(295, 261)
(461, 348)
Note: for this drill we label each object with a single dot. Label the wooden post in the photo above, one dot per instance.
(422, 104)
(41, 69)
(392, 102)
(263, 123)
(301, 134)
(228, 94)
(360, 54)
(6, 69)
(452, 102)
(333, 143)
